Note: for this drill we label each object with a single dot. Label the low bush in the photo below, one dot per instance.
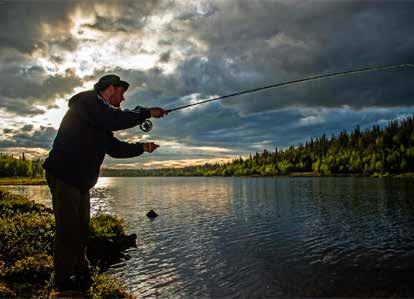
(26, 238)
(25, 234)
(104, 286)
(30, 268)
(107, 240)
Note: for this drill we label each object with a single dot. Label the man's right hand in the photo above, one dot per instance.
(157, 112)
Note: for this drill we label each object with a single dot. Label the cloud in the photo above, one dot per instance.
(23, 88)
(251, 44)
(28, 137)
(22, 22)
(116, 17)
(178, 52)
(37, 43)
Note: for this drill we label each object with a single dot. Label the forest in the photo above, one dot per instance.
(20, 167)
(373, 152)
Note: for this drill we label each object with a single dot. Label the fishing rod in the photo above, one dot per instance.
(147, 125)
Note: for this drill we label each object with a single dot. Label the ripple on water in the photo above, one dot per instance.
(265, 237)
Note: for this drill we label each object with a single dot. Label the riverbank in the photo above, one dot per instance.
(292, 174)
(42, 181)
(23, 181)
(26, 263)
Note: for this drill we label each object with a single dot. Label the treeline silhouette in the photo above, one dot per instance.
(378, 151)
(20, 167)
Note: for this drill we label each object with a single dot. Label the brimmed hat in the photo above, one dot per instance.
(107, 80)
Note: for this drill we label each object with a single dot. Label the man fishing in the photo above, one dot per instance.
(84, 137)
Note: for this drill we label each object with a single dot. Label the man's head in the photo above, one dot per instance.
(112, 88)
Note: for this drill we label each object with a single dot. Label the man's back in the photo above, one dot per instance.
(85, 136)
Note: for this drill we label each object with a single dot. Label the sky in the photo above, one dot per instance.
(178, 52)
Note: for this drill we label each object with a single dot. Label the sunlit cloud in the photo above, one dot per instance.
(170, 163)
(30, 153)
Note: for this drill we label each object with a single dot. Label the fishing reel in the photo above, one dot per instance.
(146, 126)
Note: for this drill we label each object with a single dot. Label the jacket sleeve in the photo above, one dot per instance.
(110, 118)
(121, 149)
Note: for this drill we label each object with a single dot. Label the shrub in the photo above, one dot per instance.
(104, 286)
(11, 204)
(107, 227)
(5, 291)
(25, 234)
(26, 238)
(30, 268)
(107, 239)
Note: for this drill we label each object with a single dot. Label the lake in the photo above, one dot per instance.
(261, 237)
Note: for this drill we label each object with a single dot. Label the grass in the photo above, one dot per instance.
(26, 263)
(22, 181)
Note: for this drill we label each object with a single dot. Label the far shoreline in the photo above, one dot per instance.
(16, 181)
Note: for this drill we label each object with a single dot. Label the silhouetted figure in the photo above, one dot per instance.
(85, 136)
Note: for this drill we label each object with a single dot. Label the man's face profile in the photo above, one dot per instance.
(117, 96)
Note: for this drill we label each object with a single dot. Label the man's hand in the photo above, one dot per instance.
(157, 112)
(150, 147)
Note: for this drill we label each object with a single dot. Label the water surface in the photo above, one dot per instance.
(262, 237)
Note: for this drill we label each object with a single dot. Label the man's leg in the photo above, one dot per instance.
(85, 221)
(68, 249)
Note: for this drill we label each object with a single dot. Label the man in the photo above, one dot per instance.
(72, 169)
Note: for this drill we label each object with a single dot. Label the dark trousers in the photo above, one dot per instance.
(72, 216)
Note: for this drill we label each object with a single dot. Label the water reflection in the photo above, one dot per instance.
(263, 237)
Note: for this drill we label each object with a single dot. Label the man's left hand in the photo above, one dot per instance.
(150, 147)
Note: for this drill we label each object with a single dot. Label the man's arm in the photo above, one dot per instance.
(113, 119)
(121, 149)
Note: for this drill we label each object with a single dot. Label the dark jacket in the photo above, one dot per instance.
(85, 136)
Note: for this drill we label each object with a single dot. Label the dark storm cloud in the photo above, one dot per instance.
(24, 137)
(24, 84)
(131, 16)
(258, 43)
(23, 87)
(21, 22)
(252, 44)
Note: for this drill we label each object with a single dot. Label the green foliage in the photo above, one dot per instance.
(26, 238)
(12, 204)
(20, 167)
(104, 226)
(6, 291)
(30, 268)
(23, 181)
(25, 234)
(104, 286)
(107, 239)
(377, 151)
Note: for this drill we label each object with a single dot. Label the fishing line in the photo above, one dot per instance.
(351, 72)
(147, 125)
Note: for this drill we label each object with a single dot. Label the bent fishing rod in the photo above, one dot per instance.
(147, 125)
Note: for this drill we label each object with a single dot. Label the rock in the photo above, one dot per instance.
(131, 240)
(152, 215)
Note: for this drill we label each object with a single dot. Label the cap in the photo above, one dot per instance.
(108, 80)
